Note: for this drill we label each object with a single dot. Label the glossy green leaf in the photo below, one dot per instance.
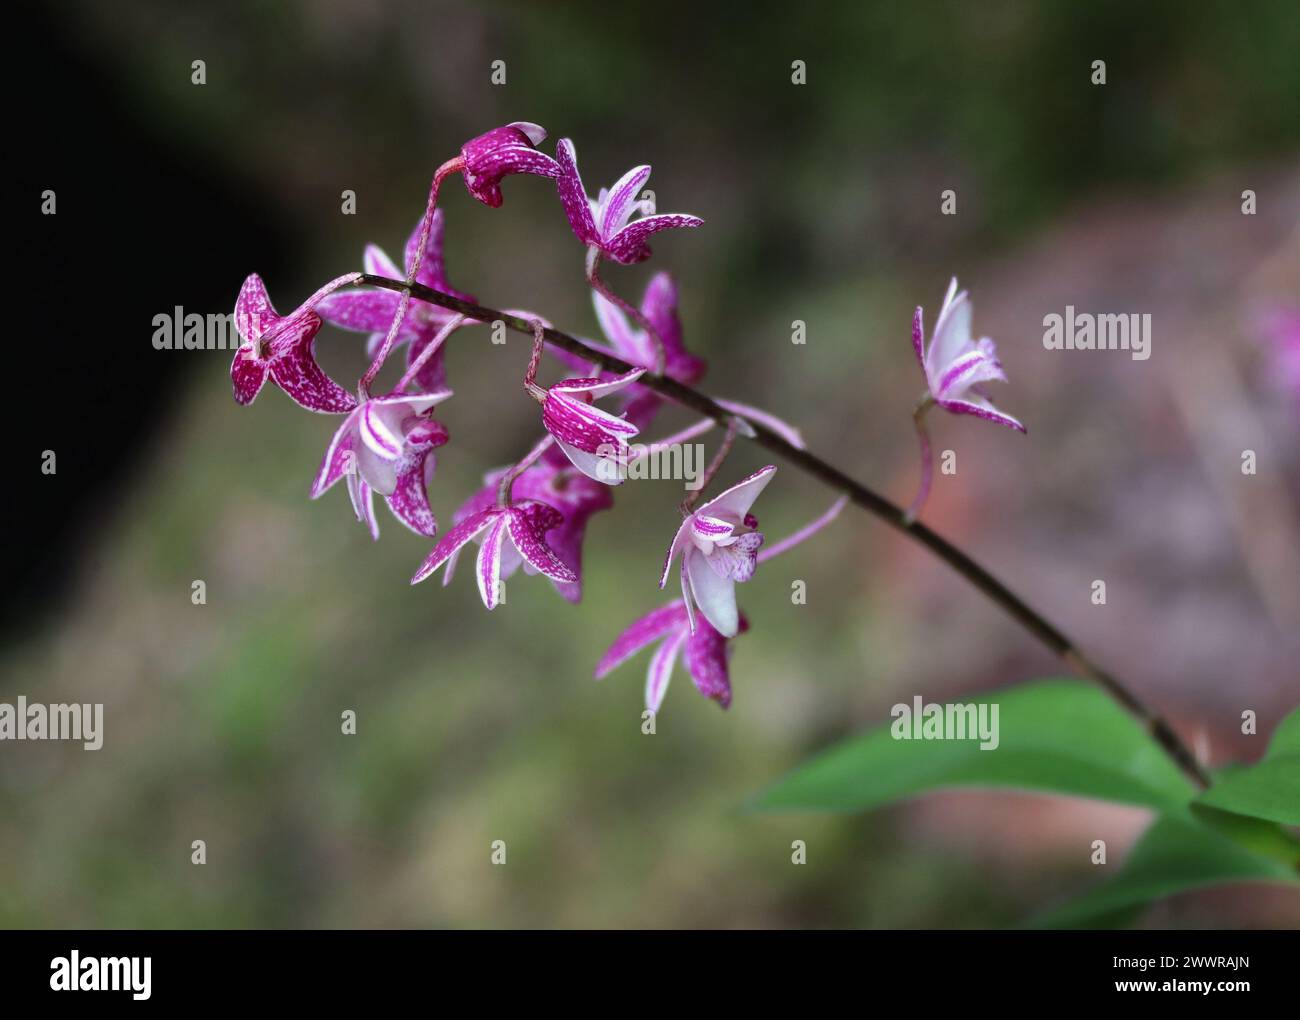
(1058, 736)
(1176, 854)
(1270, 788)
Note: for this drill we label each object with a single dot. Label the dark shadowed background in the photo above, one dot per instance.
(822, 204)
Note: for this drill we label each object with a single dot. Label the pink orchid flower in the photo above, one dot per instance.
(955, 366)
(386, 446)
(602, 223)
(703, 650)
(560, 486)
(659, 306)
(503, 151)
(595, 441)
(719, 547)
(510, 536)
(371, 311)
(281, 346)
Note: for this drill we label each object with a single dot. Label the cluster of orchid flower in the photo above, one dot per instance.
(534, 514)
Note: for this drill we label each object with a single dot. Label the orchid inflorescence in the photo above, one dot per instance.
(534, 513)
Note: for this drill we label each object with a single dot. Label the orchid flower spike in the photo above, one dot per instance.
(955, 366)
(595, 441)
(503, 151)
(281, 346)
(372, 310)
(703, 650)
(719, 547)
(386, 446)
(602, 223)
(510, 536)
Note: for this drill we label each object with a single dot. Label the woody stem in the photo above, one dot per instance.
(870, 501)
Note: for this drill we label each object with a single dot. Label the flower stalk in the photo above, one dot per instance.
(864, 497)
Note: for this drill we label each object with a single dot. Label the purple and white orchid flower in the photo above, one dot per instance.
(510, 536)
(595, 441)
(602, 223)
(386, 446)
(719, 547)
(372, 311)
(703, 650)
(503, 151)
(558, 485)
(282, 346)
(955, 366)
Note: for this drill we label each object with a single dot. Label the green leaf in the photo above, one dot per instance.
(1059, 736)
(1269, 789)
(1175, 854)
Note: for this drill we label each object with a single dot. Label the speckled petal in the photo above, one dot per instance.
(630, 245)
(619, 203)
(660, 670)
(573, 195)
(529, 522)
(641, 633)
(706, 661)
(464, 532)
(737, 560)
(981, 407)
(367, 311)
(253, 309)
(489, 561)
(363, 503)
(295, 371)
(409, 500)
(247, 374)
(339, 458)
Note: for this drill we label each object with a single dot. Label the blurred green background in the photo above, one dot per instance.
(822, 204)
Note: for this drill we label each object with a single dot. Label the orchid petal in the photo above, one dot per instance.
(529, 522)
(706, 660)
(462, 533)
(247, 375)
(573, 196)
(661, 670)
(618, 204)
(714, 595)
(641, 633)
(489, 562)
(339, 458)
(629, 244)
(736, 501)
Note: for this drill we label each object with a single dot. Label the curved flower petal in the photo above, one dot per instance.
(409, 500)
(529, 522)
(366, 311)
(489, 562)
(660, 670)
(464, 532)
(339, 458)
(641, 633)
(619, 203)
(295, 371)
(715, 595)
(573, 195)
(363, 503)
(736, 501)
(706, 660)
(247, 375)
(500, 152)
(629, 244)
(981, 407)
(738, 560)
(253, 309)
(680, 540)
